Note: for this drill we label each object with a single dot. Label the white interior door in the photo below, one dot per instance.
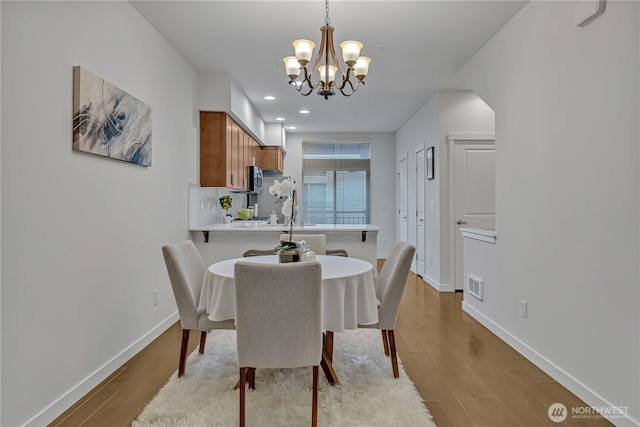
(403, 200)
(474, 195)
(420, 233)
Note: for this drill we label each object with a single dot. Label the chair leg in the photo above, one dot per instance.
(394, 355)
(203, 341)
(246, 379)
(385, 342)
(242, 392)
(251, 374)
(314, 407)
(183, 352)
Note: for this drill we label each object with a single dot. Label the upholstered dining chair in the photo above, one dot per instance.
(186, 271)
(278, 321)
(259, 252)
(317, 243)
(390, 287)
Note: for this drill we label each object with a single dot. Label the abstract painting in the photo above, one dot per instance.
(109, 122)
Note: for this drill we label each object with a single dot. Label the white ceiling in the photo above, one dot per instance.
(415, 46)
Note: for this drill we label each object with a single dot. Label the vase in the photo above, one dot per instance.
(308, 256)
(289, 255)
(227, 219)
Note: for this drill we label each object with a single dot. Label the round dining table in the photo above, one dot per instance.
(348, 291)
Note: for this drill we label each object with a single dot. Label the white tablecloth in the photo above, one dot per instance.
(348, 291)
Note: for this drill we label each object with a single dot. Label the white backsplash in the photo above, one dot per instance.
(204, 208)
(267, 202)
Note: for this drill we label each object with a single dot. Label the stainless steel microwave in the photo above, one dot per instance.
(255, 179)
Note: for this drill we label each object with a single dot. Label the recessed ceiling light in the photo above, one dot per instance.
(269, 97)
(304, 111)
(280, 119)
(291, 127)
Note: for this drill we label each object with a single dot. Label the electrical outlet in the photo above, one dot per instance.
(155, 297)
(523, 309)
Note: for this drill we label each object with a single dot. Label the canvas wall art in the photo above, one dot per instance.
(109, 122)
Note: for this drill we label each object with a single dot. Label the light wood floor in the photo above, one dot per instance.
(466, 375)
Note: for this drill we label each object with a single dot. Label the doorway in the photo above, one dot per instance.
(471, 192)
(403, 199)
(420, 229)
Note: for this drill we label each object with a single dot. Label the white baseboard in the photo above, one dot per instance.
(440, 287)
(566, 380)
(65, 401)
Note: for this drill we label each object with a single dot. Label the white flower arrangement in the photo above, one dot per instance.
(284, 188)
(287, 189)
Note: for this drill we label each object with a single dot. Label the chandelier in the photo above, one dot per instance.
(326, 64)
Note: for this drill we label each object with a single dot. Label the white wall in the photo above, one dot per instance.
(214, 92)
(567, 195)
(218, 92)
(422, 130)
(383, 180)
(81, 234)
(446, 112)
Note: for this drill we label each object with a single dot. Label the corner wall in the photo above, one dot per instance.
(81, 234)
(567, 195)
(446, 112)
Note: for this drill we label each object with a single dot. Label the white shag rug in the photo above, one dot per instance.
(368, 395)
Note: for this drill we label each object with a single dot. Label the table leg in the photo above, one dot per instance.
(328, 344)
(327, 368)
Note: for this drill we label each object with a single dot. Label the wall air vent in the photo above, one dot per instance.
(475, 286)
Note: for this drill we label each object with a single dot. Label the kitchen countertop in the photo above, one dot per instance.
(217, 242)
(258, 226)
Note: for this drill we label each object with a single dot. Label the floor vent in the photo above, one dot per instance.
(475, 286)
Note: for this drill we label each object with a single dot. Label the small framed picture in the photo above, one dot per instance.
(430, 163)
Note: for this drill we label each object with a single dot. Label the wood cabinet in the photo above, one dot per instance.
(272, 158)
(256, 153)
(224, 152)
(227, 151)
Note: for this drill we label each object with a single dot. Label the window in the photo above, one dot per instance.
(335, 183)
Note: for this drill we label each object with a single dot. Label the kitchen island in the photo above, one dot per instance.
(218, 242)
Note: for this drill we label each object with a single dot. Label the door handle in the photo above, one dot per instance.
(460, 222)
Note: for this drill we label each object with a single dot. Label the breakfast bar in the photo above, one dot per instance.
(218, 242)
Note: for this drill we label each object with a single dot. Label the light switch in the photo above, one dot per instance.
(432, 205)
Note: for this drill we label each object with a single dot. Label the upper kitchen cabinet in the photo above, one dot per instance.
(224, 152)
(272, 159)
(256, 154)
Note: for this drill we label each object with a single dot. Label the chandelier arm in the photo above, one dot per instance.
(327, 84)
(353, 88)
(323, 43)
(306, 80)
(349, 92)
(332, 52)
(346, 79)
